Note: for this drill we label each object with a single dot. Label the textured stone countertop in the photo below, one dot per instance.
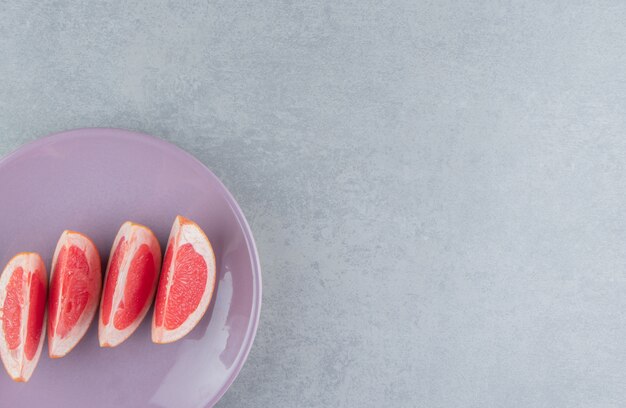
(437, 188)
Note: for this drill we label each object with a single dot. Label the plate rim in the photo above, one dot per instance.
(106, 132)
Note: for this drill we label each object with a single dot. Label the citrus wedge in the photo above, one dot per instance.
(23, 287)
(186, 284)
(75, 284)
(130, 283)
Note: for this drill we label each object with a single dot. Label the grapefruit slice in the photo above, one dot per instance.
(75, 284)
(23, 287)
(130, 283)
(186, 284)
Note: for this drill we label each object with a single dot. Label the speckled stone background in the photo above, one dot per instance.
(437, 188)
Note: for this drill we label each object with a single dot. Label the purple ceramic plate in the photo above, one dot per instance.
(92, 180)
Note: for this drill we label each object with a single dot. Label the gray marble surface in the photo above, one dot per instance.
(437, 188)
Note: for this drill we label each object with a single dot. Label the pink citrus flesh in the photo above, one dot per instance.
(23, 290)
(130, 283)
(187, 282)
(75, 285)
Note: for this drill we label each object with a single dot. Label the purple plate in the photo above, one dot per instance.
(92, 180)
